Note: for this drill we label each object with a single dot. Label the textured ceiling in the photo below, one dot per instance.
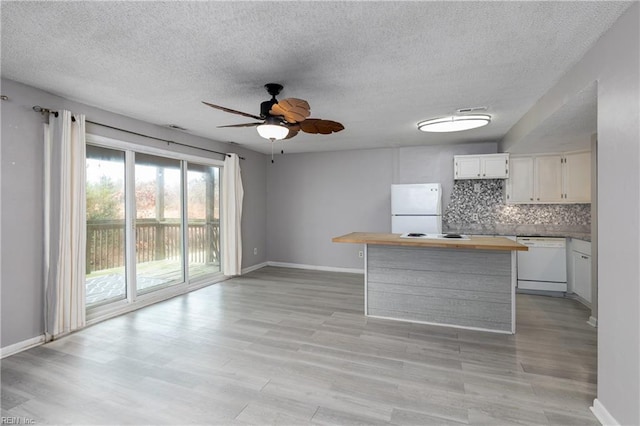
(377, 67)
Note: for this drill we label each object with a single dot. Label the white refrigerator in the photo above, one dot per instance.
(416, 208)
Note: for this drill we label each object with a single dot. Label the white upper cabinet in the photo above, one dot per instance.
(487, 166)
(520, 182)
(549, 178)
(577, 177)
(495, 166)
(467, 167)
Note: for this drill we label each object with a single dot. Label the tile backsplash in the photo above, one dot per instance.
(485, 198)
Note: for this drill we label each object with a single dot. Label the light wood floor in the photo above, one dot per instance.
(285, 346)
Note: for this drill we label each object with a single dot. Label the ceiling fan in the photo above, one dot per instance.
(283, 119)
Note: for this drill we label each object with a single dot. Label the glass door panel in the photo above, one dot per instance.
(203, 207)
(158, 193)
(105, 251)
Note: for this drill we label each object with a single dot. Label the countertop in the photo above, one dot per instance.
(475, 242)
(581, 232)
(575, 235)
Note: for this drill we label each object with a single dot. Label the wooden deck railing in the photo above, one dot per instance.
(155, 240)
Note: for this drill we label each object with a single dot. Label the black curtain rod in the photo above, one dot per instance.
(48, 111)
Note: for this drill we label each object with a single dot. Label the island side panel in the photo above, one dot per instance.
(456, 287)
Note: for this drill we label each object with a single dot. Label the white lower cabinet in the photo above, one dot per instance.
(580, 269)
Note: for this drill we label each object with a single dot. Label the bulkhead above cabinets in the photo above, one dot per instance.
(559, 178)
(483, 166)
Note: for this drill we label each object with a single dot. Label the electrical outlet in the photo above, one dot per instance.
(360, 254)
(477, 188)
(474, 216)
(255, 251)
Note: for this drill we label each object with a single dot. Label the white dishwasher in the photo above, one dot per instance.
(544, 267)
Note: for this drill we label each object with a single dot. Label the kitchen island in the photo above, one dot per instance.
(466, 283)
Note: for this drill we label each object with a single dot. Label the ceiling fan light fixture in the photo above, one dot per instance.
(272, 129)
(454, 123)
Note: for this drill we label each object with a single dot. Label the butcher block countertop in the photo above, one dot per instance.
(475, 242)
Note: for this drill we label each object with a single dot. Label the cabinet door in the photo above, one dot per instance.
(582, 275)
(548, 179)
(577, 177)
(467, 167)
(520, 182)
(495, 166)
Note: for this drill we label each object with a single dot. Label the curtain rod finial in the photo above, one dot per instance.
(41, 110)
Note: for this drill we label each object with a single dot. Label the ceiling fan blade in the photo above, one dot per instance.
(317, 125)
(293, 130)
(293, 110)
(232, 111)
(242, 125)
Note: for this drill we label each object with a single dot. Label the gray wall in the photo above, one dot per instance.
(434, 164)
(314, 197)
(22, 197)
(317, 196)
(614, 63)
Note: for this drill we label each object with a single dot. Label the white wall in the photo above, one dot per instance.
(22, 197)
(317, 196)
(614, 62)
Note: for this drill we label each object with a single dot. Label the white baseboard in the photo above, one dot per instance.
(602, 414)
(593, 322)
(316, 267)
(254, 267)
(22, 346)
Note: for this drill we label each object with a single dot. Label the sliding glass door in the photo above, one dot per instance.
(106, 256)
(158, 194)
(203, 198)
(153, 224)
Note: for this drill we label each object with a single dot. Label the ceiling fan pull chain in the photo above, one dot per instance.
(272, 150)
(282, 150)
